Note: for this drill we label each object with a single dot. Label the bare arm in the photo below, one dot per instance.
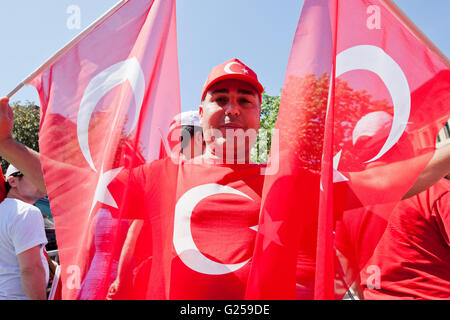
(128, 247)
(125, 258)
(22, 157)
(437, 168)
(32, 274)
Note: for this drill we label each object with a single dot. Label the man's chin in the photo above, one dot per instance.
(231, 154)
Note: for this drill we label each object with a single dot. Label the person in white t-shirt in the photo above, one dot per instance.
(23, 266)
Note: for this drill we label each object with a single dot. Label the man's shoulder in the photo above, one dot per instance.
(17, 211)
(435, 193)
(441, 187)
(17, 206)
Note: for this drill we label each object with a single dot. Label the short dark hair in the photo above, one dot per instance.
(17, 174)
(188, 131)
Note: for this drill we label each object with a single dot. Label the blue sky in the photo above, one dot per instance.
(259, 32)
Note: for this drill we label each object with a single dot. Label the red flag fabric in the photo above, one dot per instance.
(388, 108)
(106, 104)
(2, 188)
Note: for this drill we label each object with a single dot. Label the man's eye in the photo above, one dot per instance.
(245, 102)
(220, 100)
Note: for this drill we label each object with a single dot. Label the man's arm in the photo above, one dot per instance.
(125, 258)
(32, 273)
(22, 157)
(437, 168)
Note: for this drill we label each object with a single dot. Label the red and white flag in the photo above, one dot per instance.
(2, 188)
(106, 104)
(365, 95)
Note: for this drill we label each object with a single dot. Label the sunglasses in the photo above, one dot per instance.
(16, 174)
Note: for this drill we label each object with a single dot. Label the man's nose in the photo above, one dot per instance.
(232, 109)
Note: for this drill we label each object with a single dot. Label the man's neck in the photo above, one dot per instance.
(14, 195)
(210, 156)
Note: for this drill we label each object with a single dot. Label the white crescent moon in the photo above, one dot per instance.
(228, 66)
(100, 85)
(372, 58)
(182, 236)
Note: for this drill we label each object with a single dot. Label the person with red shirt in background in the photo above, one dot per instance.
(412, 258)
(389, 252)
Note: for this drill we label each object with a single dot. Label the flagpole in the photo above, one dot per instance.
(409, 24)
(325, 256)
(67, 47)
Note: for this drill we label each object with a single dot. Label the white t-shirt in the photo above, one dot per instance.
(21, 228)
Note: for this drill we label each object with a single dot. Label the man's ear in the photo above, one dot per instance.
(200, 113)
(198, 137)
(12, 181)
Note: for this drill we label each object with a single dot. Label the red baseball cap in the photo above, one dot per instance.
(232, 69)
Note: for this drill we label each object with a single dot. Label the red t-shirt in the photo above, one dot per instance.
(200, 217)
(413, 255)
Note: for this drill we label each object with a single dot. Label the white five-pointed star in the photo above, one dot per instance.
(270, 234)
(245, 71)
(102, 193)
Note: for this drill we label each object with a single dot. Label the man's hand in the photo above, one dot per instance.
(113, 291)
(6, 120)
(19, 155)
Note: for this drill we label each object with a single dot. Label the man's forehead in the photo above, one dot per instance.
(225, 86)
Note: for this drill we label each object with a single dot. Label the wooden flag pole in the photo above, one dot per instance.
(67, 47)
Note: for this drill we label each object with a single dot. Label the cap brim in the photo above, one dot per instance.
(254, 83)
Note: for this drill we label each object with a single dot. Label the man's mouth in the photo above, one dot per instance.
(231, 126)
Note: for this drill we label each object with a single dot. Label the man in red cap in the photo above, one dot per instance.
(223, 187)
(229, 111)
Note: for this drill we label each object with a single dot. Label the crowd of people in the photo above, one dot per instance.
(413, 254)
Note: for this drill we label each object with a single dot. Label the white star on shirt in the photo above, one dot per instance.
(102, 193)
(245, 71)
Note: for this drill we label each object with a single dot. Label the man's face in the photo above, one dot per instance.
(24, 190)
(230, 108)
(194, 146)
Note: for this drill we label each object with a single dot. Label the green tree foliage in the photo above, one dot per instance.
(269, 112)
(26, 126)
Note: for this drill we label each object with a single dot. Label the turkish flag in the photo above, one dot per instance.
(106, 103)
(2, 188)
(358, 121)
